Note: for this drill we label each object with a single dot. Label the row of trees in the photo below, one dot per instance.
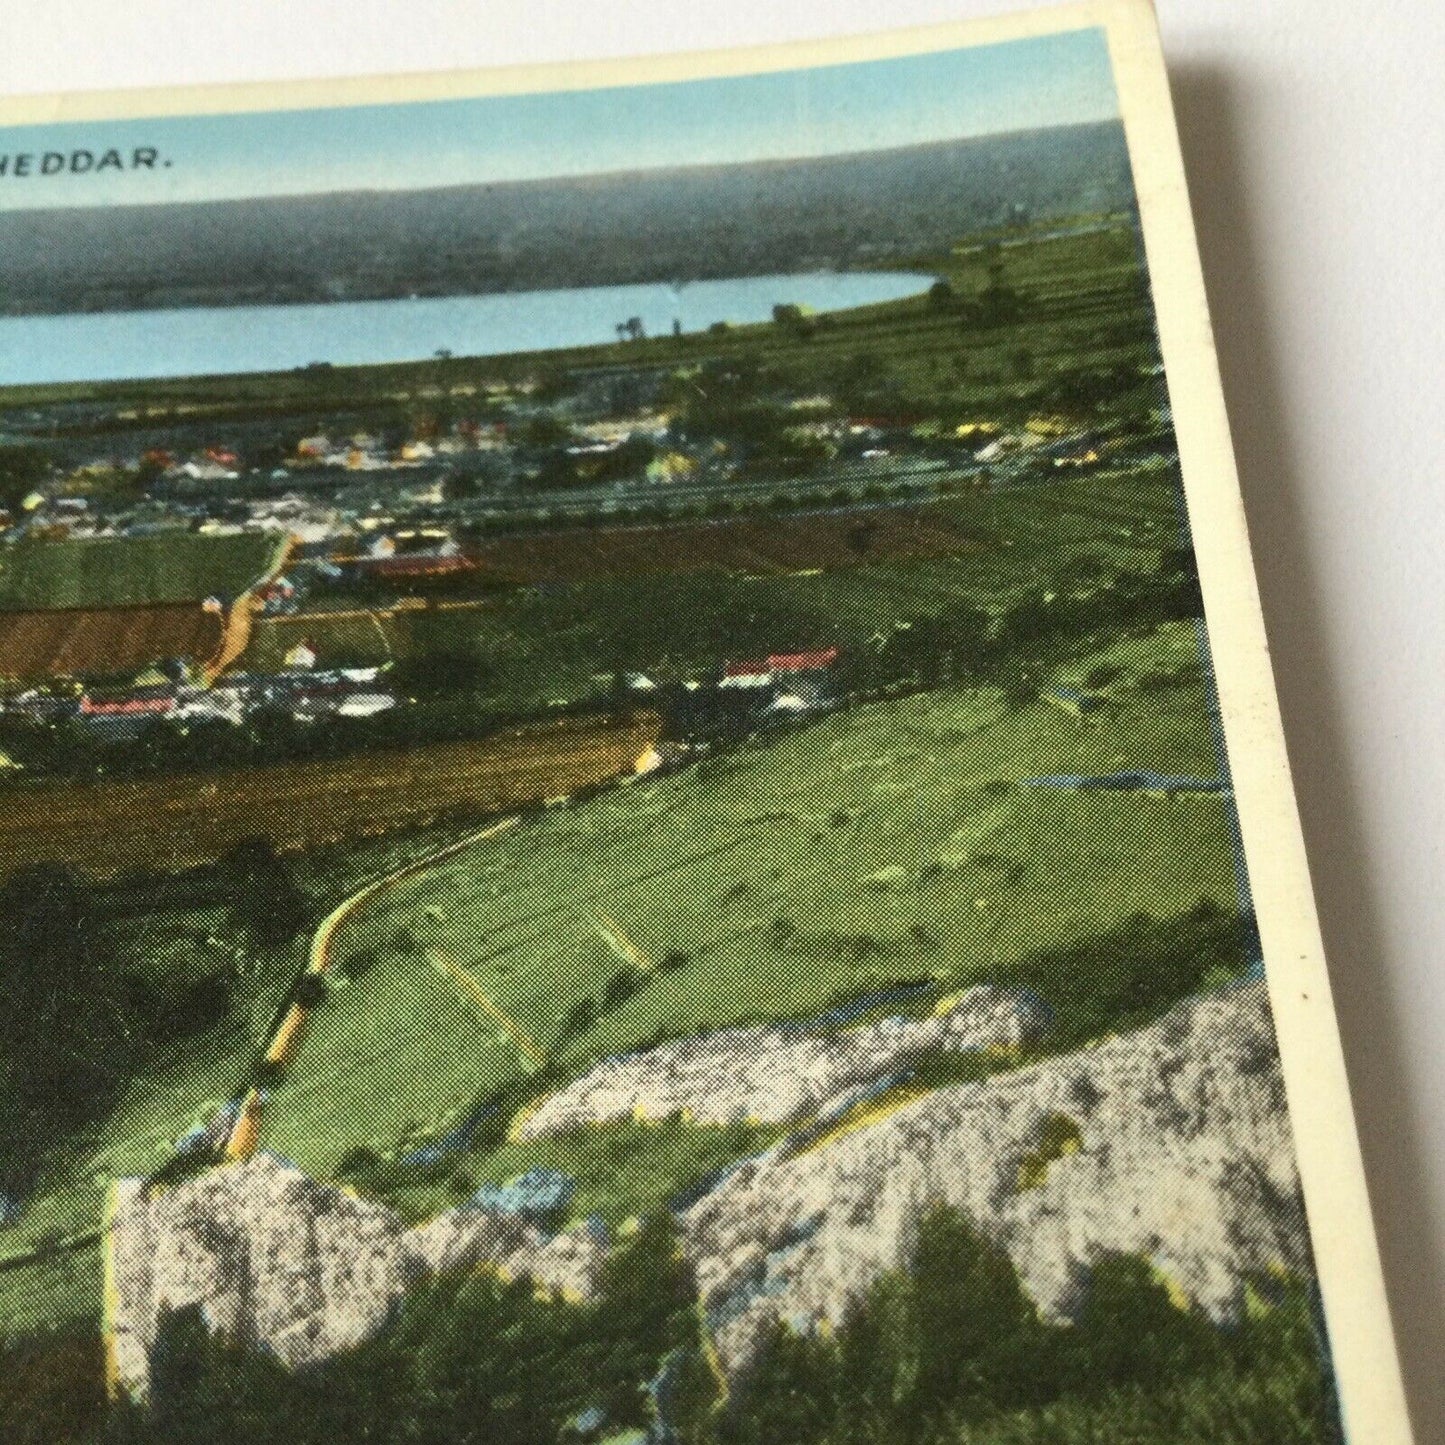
(82, 1015)
(450, 677)
(448, 709)
(1016, 648)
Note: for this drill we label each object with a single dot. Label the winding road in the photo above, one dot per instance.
(286, 1039)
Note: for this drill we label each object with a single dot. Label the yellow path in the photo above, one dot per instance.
(281, 1049)
(526, 1045)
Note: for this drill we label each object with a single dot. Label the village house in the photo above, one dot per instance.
(213, 464)
(763, 672)
(746, 674)
(412, 553)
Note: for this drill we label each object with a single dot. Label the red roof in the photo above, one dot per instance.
(126, 707)
(747, 669)
(803, 661)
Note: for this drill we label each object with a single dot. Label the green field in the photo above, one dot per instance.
(893, 841)
(531, 647)
(131, 571)
(181, 1087)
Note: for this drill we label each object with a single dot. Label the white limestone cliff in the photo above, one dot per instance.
(1171, 1142)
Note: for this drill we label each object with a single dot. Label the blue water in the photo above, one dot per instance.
(214, 341)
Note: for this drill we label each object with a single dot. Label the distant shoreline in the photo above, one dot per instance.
(844, 212)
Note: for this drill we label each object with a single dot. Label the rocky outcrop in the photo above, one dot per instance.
(277, 1261)
(772, 1075)
(564, 1263)
(1172, 1143)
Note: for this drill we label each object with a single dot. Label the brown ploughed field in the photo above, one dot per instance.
(89, 642)
(180, 821)
(756, 543)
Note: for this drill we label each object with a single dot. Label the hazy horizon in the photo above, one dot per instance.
(695, 221)
(796, 115)
(566, 178)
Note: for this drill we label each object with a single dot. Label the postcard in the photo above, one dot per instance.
(640, 792)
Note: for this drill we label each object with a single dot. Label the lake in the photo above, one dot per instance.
(110, 345)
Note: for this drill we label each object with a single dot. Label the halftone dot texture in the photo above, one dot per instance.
(804, 987)
(935, 948)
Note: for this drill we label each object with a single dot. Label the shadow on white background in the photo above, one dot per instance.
(1368, 980)
(1314, 132)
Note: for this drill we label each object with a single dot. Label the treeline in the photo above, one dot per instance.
(1085, 604)
(736, 219)
(744, 399)
(1016, 649)
(81, 1016)
(23, 467)
(1129, 976)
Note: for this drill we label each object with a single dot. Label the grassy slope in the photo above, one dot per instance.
(181, 1088)
(127, 571)
(870, 832)
(622, 1170)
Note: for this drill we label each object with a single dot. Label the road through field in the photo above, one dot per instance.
(286, 1039)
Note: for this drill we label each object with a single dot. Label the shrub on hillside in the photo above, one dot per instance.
(1130, 975)
(359, 964)
(622, 986)
(951, 1350)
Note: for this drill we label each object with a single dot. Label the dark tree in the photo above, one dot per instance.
(22, 469)
(67, 1032)
(268, 906)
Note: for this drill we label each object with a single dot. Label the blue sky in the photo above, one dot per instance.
(1049, 80)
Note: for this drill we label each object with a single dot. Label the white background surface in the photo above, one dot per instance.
(1314, 137)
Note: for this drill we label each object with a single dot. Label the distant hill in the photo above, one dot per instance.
(677, 224)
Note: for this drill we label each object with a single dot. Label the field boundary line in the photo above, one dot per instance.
(611, 933)
(38, 1252)
(524, 1043)
(275, 565)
